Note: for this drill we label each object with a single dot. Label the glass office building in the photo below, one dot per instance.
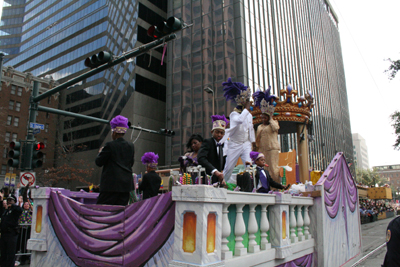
(259, 43)
(56, 38)
(12, 18)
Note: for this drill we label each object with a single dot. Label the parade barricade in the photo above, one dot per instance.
(23, 236)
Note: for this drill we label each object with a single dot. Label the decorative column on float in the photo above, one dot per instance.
(264, 227)
(293, 225)
(307, 222)
(226, 231)
(300, 224)
(253, 229)
(240, 230)
(279, 216)
(198, 225)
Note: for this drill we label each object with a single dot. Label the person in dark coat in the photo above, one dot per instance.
(9, 231)
(151, 182)
(392, 258)
(264, 181)
(211, 154)
(116, 158)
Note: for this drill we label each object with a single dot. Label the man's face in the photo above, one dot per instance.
(265, 118)
(10, 201)
(217, 134)
(260, 162)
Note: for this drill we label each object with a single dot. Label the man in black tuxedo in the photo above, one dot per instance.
(211, 154)
(116, 158)
(151, 182)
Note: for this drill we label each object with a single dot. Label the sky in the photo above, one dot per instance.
(369, 34)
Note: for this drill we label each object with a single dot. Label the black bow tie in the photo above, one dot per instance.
(219, 144)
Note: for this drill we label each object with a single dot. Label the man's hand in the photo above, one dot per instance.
(287, 187)
(101, 148)
(248, 163)
(220, 175)
(30, 181)
(247, 105)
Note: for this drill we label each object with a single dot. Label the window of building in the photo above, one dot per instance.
(17, 106)
(44, 158)
(14, 137)
(11, 105)
(9, 119)
(13, 89)
(16, 121)
(3, 169)
(7, 138)
(46, 128)
(19, 92)
(5, 153)
(45, 142)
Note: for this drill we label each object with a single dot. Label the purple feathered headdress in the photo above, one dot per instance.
(219, 122)
(255, 155)
(236, 92)
(260, 95)
(119, 124)
(151, 159)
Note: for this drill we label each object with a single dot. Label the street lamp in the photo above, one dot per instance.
(211, 91)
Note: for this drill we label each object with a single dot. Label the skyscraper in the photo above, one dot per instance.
(56, 38)
(360, 151)
(259, 43)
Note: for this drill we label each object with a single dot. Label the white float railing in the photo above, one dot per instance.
(276, 225)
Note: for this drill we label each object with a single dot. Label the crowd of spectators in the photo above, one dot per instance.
(370, 209)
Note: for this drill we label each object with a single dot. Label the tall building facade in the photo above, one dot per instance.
(56, 38)
(12, 17)
(392, 174)
(360, 152)
(259, 43)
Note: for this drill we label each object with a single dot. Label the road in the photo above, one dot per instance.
(374, 235)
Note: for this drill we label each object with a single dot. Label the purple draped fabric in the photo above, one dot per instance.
(99, 235)
(338, 182)
(305, 261)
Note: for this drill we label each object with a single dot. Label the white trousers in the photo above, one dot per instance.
(235, 151)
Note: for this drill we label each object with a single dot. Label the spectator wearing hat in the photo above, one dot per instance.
(9, 231)
(116, 158)
(151, 181)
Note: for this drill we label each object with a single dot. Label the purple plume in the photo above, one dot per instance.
(254, 155)
(260, 95)
(219, 118)
(149, 157)
(232, 89)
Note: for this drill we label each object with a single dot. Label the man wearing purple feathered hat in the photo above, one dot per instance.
(116, 158)
(211, 154)
(151, 182)
(241, 132)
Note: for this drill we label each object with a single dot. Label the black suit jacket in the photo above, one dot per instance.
(208, 156)
(150, 184)
(116, 158)
(271, 182)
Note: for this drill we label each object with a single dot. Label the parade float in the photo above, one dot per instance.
(200, 225)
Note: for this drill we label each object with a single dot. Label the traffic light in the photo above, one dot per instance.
(14, 154)
(37, 155)
(163, 28)
(167, 132)
(97, 60)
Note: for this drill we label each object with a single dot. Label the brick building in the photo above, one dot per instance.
(391, 173)
(15, 92)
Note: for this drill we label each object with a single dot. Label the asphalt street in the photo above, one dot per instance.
(374, 235)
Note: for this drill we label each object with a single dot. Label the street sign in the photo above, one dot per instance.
(12, 183)
(7, 179)
(26, 176)
(33, 125)
(36, 131)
